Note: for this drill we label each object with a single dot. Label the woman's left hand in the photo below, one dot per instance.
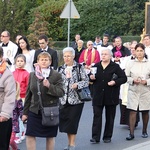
(74, 86)
(46, 83)
(111, 83)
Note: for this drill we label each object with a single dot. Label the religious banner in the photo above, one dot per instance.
(147, 17)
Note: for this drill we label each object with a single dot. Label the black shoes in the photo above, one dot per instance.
(144, 135)
(107, 140)
(130, 137)
(94, 141)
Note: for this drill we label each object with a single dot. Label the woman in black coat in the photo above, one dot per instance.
(106, 89)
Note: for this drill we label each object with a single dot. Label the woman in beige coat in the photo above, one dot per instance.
(138, 73)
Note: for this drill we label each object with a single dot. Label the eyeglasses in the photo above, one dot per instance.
(67, 56)
(3, 36)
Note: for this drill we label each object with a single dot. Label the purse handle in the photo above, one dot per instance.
(78, 72)
(39, 93)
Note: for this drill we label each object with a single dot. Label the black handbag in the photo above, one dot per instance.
(84, 93)
(50, 115)
(114, 77)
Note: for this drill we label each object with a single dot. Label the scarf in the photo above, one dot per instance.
(38, 72)
(118, 53)
(42, 73)
(118, 48)
(92, 55)
(2, 67)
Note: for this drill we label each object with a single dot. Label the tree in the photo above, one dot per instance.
(49, 12)
(14, 15)
(38, 27)
(116, 17)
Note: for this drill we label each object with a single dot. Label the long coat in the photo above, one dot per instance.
(138, 95)
(102, 93)
(7, 94)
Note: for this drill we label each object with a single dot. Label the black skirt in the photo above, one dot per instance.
(36, 129)
(69, 118)
(124, 118)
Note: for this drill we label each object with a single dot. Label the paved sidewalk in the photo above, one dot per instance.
(141, 146)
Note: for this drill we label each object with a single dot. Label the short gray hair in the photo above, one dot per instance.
(69, 49)
(80, 41)
(108, 50)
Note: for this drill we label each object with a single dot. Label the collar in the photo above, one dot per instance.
(5, 44)
(44, 50)
(144, 60)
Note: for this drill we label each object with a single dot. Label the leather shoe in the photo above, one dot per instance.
(144, 135)
(130, 137)
(107, 140)
(94, 141)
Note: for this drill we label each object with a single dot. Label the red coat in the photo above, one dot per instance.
(22, 76)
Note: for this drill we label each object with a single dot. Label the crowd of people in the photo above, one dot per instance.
(122, 70)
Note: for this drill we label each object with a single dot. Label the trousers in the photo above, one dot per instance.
(5, 134)
(110, 111)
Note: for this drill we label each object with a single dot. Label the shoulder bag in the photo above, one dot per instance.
(50, 115)
(84, 93)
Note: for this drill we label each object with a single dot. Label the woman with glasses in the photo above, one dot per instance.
(106, 87)
(72, 107)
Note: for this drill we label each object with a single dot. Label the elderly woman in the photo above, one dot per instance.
(78, 50)
(71, 110)
(51, 87)
(106, 82)
(138, 73)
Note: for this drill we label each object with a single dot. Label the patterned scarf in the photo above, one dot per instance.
(2, 67)
(38, 72)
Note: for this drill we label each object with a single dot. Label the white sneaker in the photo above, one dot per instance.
(22, 137)
(17, 140)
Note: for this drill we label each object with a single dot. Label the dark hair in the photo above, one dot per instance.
(19, 48)
(106, 35)
(1, 52)
(141, 46)
(98, 37)
(43, 37)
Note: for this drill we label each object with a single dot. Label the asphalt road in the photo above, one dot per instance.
(84, 135)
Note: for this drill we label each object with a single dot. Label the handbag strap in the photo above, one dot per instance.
(78, 72)
(39, 93)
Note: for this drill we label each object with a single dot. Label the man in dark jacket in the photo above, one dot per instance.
(43, 42)
(106, 89)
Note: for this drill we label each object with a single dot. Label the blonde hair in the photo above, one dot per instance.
(44, 54)
(17, 90)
